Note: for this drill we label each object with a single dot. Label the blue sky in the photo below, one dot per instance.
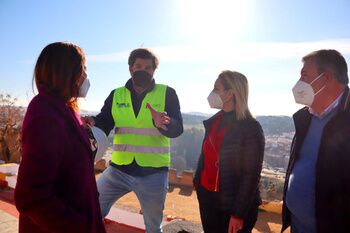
(194, 39)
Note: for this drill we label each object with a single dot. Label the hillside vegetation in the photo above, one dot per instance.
(11, 118)
(185, 149)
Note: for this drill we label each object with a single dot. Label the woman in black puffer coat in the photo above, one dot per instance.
(228, 172)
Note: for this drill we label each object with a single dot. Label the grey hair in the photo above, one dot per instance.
(330, 59)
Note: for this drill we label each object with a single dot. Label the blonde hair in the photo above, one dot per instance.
(238, 83)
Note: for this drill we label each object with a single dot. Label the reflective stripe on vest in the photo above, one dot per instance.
(141, 149)
(149, 132)
(137, 138)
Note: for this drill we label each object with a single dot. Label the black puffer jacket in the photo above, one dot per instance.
(332, 188)
(240, 163)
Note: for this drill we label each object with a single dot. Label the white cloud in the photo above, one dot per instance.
(249, 51)
(239, 52)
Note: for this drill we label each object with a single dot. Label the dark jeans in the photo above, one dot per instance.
(215, 220)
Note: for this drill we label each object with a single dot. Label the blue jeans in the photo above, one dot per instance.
(150, 191)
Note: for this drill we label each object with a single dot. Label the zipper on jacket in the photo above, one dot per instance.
(217, 165)
(217, 177)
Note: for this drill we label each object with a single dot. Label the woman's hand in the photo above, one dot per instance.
(235, 224)
(88, 122)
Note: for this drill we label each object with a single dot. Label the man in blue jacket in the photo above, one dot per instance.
(145, 115)
(317, 187)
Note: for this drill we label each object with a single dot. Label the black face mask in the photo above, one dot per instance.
(141, 78)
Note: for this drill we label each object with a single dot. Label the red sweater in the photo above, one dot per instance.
(211, 151)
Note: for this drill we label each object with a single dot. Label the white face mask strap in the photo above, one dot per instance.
(317, 78)
(320, 90)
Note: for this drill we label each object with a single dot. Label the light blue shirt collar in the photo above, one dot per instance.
(329, 109)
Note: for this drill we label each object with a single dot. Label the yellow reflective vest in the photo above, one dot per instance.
(136, 137)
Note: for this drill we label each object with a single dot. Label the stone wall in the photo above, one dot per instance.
(183, 180)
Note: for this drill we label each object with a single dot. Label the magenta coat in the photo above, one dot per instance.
(56, 188)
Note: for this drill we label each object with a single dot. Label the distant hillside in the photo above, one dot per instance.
(83, 112)
(185, 149)
(278, 132)
(194, 119)
(276, 125)
(272, 125)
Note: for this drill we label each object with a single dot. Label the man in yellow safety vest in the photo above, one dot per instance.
(144, 115)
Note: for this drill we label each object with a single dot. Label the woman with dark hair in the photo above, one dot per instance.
(56, 188)
(228, 172)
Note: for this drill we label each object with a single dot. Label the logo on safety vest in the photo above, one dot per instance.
(123, 105)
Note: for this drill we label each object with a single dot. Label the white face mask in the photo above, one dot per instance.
(84, 88)
(304, 93)
(215, 101)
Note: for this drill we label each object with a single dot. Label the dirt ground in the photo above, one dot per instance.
(182, 203)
